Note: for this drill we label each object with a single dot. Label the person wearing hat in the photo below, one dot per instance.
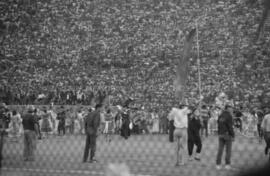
(266, 131)
(225, 136)
(30, 126)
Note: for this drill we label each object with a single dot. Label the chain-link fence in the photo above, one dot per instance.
(143, 153)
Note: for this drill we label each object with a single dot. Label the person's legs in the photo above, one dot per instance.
(171, 131)
(198, 143)
(221, 144)
(26, 146)
(267, 142)
(259, 132)
(228, 144)
(182, 144)
(64, 130)
(206, 128)
(93, 140)
(32, 145)
(59, 130)
(190, 147)
(86, 149)
(177, 148)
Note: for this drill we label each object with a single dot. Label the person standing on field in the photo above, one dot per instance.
(30, 126)
(92, 123)
(225, 136)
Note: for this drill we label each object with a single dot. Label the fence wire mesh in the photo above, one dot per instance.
(148, 151)
(76, 52)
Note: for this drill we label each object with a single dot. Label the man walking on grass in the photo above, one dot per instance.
(92, 123)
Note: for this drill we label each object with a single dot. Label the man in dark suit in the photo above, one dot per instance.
(226, 136)
(92, 123)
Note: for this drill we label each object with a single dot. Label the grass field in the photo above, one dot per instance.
(144, 154)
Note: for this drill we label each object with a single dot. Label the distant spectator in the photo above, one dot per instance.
(30, 130)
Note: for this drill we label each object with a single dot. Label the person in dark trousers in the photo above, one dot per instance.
(92, 123)
(171, 127)
(194, 138)
(125, 130)
(30, 127)
(259, 116)
(62, 120)
(225, 136)
(266, 131)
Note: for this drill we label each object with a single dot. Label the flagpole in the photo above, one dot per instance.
(198, 63)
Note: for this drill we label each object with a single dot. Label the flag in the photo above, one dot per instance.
(182, 67)
(265, 18)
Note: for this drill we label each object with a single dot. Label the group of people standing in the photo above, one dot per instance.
(187, 128)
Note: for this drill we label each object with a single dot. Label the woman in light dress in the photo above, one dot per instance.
(53, 120)
(15, 125)
(46, 125)
(77, 124)
(108, 125)
(215, 112)
(155, 128)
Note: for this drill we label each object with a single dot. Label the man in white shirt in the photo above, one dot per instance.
(180, 133)
(266, 130)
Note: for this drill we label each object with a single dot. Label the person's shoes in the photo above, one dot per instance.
(228, 167)
(197, 157)
(218, 167)
(181, 164)
(266, 150)
(190, 158)
(93, 161)
(177, 164)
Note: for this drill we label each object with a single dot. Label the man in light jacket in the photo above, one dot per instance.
(180, 133)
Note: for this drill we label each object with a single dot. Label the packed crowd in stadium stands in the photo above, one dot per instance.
(42, 60)
(86, 55)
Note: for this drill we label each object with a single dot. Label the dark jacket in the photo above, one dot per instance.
(225, 124)
(194, 126)
(62, 118)
(29, 122)
(92, 123)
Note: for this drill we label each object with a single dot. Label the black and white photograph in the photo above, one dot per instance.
(134, 87)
